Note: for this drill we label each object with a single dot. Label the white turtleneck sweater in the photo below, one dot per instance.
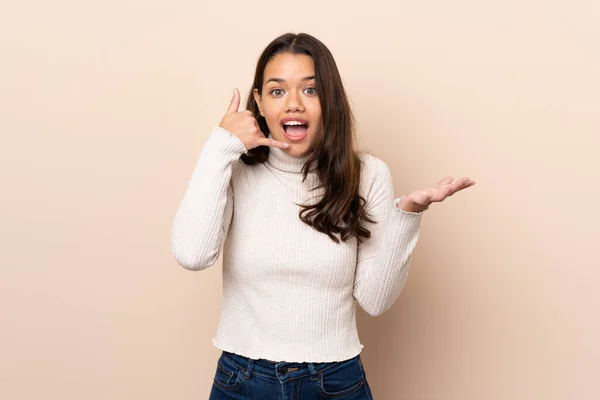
(289, 291)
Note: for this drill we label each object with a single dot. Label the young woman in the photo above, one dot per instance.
(309, 227)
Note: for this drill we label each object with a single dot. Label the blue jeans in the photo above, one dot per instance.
(241, 378)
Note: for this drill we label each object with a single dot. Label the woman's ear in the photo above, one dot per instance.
(258, 101)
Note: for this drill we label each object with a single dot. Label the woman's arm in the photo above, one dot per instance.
(383, 259)
(204, 214)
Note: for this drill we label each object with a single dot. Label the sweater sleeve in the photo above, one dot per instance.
(202, 220)
(383, 260)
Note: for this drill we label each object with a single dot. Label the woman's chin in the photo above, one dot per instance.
(295, 152)
(298, 148)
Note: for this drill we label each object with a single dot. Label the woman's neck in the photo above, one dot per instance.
(283, 161)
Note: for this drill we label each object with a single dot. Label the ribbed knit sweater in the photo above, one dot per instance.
(289, 291)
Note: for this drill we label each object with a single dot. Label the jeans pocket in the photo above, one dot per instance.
(342, 379)
(227, 375)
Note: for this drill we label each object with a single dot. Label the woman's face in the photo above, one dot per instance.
(289, 101)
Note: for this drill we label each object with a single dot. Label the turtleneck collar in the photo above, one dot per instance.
(283, 161)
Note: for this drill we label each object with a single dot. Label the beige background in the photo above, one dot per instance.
(104, 108)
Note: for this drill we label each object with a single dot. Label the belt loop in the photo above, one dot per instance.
(249, 368)
(312, 369)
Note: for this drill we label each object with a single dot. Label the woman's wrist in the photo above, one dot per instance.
(408, 206)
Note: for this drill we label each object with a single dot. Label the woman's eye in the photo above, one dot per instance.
(276, 92)
(314, 90)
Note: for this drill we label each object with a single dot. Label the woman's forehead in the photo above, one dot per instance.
(289, 67)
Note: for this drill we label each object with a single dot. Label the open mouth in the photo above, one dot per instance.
(295, 128)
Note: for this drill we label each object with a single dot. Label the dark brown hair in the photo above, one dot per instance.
(341, 209)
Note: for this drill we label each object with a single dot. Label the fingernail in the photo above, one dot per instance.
(286, 145)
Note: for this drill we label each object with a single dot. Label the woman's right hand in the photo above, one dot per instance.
(245, 126)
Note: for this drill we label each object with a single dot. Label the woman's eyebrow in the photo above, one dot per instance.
(280, 80)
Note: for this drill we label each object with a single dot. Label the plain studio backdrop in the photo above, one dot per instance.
(105, 106)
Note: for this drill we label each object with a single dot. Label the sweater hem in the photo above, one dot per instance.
(272, 357)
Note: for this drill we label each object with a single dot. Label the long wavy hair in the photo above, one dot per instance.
(341, 209)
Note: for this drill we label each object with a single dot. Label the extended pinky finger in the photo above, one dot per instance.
(273, 143)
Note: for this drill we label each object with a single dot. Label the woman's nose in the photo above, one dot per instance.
(293, 102)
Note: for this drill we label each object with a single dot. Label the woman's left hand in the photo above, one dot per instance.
(419, 200)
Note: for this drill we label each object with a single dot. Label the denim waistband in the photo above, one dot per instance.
(277, 369)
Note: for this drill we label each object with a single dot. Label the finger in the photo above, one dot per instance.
(272, 142)
(234, 106)
(459, 185)
(465, 183)
(444, 181)
(440, 193)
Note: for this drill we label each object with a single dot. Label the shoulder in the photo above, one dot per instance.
(372, 167)
(374, 173)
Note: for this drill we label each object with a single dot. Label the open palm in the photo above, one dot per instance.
(419, 200)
